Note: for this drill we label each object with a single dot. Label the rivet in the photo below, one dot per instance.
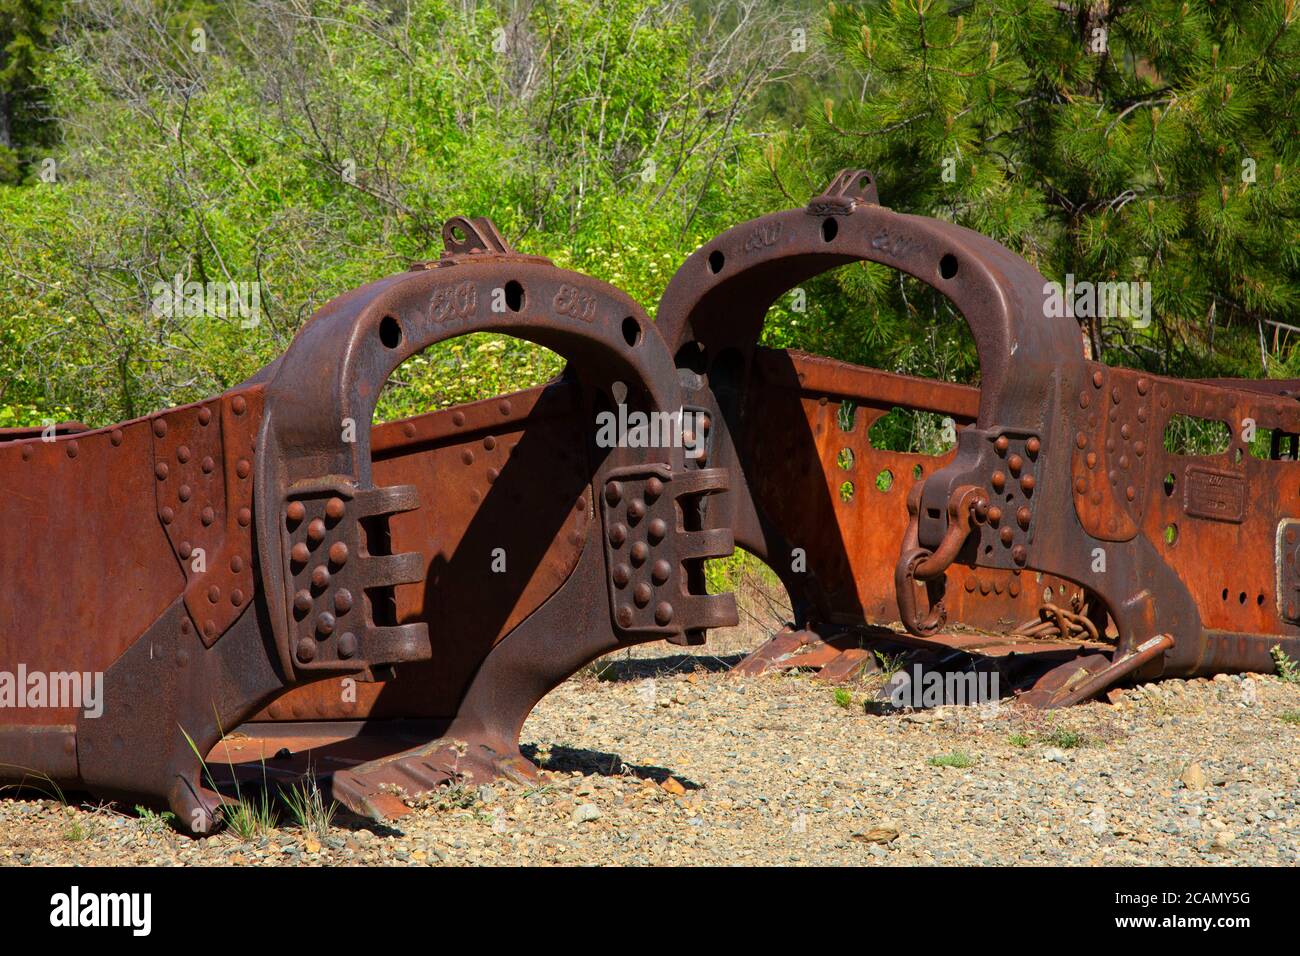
(237, 597)
(1027, 484)
(985, 587)
(653, 488)
(214, 594)
(999, 481)
(159, 470)
(409, 429)
(242, 468)
(1130, 492)
(995, 515)
(320, 576)
(159, 427)
(1002, 444)
(1018, 554)
(467, 457)
(660, 572)
(115, 436)
(1091, 460)
(306, 650)
(207, 465)
(1006, 535)
(622, 574)
(636, 510)
(1081, 440)
(1123, 461)
(618, 534)
(657, 529)
(302, 601)
(205, 415)
(492, 475)
(490, 442)
(207, 516)
(342, 601)
(639, 553)
(505, 408)
(1143, 386)
(167, 515)
(334, 509)
(1032, 447)
(624, 615)
(1125, 431)
(458, 419)
(1014, 587)
(641, 594)
(1139, 448)
(296, 512)
(1114, 394)
(1084, 400)
(316, 531)
(184, 492)
(27, 453)
(969, 585)
(236, 564)
(238, 405)
(325, 623)
(663, 613)
(299, 553)
(244, 517)
(183, 454)
(72, 448)
(1097, 379)
(1080, 486)
(1022, 517)
(347, 644)
(185, 549)
(613, 493)
(1015, 463)
(210, 629)
(338, 554)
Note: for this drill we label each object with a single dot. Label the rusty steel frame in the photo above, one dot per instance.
(389, 603)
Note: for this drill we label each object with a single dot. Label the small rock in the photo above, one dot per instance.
(586, 813)
(1055, 755)
(1193, 777)
(876, 835)
(486, 794)
(672, 786)
(311, 845)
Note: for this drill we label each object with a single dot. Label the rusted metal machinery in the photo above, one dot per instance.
(1061, 480)
(386, 606)
(208, 559)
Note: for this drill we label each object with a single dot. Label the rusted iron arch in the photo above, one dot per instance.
(364, 335)
(722, 293)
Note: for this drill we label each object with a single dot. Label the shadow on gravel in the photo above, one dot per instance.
(568, 759)
(641, 668)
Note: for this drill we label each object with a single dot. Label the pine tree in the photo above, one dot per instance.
(1149, 141)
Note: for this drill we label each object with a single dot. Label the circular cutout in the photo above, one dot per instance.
(885, 480)
(830, 229)
(631, 331)
(1169, 484)
(1171, 534)
(458, 234)
(390, 332)
(948, 265)
(845, 458)
(716, 260)
(846, 491)
(917, 472)
(514, 296)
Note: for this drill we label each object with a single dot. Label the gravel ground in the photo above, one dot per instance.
(670, 760)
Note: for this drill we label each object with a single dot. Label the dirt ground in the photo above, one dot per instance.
(669, 759)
